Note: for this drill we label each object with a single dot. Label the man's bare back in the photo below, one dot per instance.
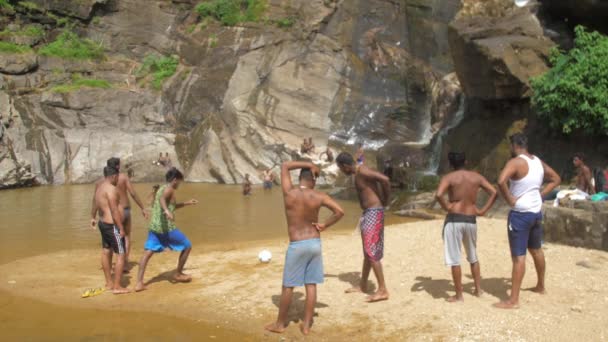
(368, 189)
(583, 179)
(122, 187)
(302, 210)
(462, 188)
(106, 196)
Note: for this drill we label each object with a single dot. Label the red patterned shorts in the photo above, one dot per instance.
(372, 233)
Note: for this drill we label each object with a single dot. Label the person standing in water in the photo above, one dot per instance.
(162, 230)
(373, 189)
(268, 179)
(123, 186)
(303, 261)
(520, 184)
(111, 228)
(460, 225)
(246, 186)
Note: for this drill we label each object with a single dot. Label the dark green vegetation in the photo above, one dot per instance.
(8, 47)
(573, 95)
(68, 45)
(159, 68)
(79, 83)
(232, 12)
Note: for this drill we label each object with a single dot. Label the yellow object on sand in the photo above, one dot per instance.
(93, 292)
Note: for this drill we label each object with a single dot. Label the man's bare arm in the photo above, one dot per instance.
(293, 165)
(384, 181)
(552, 178)
(588, 176)
(507, 173)
(134, 195)
(336, 209)
(442, 189)
(94, 207)
(493, 195)
(112, 196)
(164, 200)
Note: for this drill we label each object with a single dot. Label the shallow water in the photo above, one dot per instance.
(49, 219)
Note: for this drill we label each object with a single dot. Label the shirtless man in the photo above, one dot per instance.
(111, 228)
(584, 175)
(329, 154)
(373, 189)
(268, 179)
(246, 186)
(124, 185)
(520, 184)
(303, 261)
(460, 225)
(163, 233)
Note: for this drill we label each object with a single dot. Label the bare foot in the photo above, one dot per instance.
(377, 297)
(478, 293)
(506, 305)
(539, 290)
(182, 278)
(455, 299)
(140, 287)
(275, 328)
(356, 289)
(305, 328)
(109, 287)
(120, 290)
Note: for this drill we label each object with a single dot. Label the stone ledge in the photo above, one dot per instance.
(583, 224)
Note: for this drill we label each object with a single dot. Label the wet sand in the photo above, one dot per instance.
(232, 290)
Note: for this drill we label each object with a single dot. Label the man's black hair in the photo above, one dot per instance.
(345, 158)
(579, 155)
(172, 174)
(457, 160)
(109, 171)
(306, 174)
(114, 162)
(519, 139)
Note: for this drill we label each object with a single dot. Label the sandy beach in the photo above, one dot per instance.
(231, 289)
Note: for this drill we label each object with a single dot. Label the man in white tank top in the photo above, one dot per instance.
(520, 184)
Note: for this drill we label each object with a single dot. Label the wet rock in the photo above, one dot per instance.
(17, 63)
(415, 214)
(81, 9)
(447, 96)
(496, 57)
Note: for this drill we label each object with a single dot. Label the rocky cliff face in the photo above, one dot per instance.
(242, 97)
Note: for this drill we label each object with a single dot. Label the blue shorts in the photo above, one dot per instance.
(174, 240)
(525, 231)
(303, 263)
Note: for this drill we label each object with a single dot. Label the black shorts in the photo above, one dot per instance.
(110, 238)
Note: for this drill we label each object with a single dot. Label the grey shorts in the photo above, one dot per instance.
(303, 263)
(460, 230)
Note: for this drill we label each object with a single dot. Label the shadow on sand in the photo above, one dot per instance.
(443, 288)
(354, 279)
(296, 309)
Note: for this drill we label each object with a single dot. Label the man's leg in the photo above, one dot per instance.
(539, 263)
(281, 323)
(517, 276)
(476, 272)
(106, 265)
(118, 269)
(457, 277)
(311, 301)
(183, 257)
(367, 267)
(127, 225)
(143, 263)
(382, 292)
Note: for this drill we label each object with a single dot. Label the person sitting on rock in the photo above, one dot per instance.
(329, 154)
(584, 175)
(168, 163)
(311, 146)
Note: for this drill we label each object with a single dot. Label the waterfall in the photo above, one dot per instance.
(438, 143)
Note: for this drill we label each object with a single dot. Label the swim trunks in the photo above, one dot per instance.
(110, 238)
(459, 230)
(267, 185)
(174, 240)
(372, 233)
(525, 231)
(303, 263)
(126, 214)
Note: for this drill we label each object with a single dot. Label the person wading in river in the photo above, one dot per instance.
(162, 230)
(303, 261)
(460, 225)
(520, 184)
(111, 228)
(373, 189)
(124, 186)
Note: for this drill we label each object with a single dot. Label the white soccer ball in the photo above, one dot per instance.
(265, 256)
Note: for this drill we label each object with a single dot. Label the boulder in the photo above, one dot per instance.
(17, 63)
(585, 227)
(496, 57)
(446, 99)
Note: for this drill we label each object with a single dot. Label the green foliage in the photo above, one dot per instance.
(232, 12)
(4, 4)
(29, 6)
(573, 95)
(69, 46)
(428, 183)
(285, 22)
(96, 20)
(159, 67)
(79, 83)
(33, 31)
(7, 47)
